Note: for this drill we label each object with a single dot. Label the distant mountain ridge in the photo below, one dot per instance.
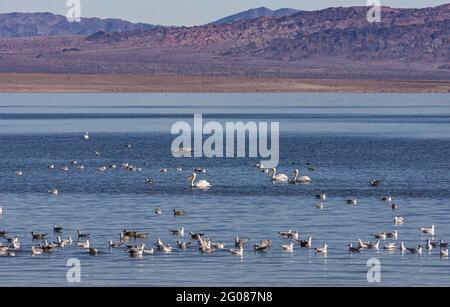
(336, 42)
(48, 24)
(255, 13)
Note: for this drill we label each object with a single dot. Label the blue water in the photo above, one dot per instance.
(402, 139)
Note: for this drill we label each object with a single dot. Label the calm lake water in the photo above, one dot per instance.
(402, 139)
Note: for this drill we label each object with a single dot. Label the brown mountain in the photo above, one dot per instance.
(330, 43)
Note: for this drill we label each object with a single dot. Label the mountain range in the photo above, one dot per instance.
(256, 13)
(331, 43)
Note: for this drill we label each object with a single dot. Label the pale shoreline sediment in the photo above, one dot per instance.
(62, 83)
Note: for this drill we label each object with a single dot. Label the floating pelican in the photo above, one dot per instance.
(300, 179)
(428, 230)
(288, 247)
(279, 177)
(201, 184)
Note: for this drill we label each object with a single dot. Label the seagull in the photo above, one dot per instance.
(352, 201)
(320, 205)
(428, 230)
(380, 236)
(218, 245)
(399, 220)
(158, 211)
(93, 251)
(137, 251)
(196, 236)
(362, 244)
(53, 191)
(238, 242)
(86, 136)
(393, 234)
(178, 212)
(387, 198)
(51, 166)
(111, 244)
(36, 250)
(288, 247)
(38, 236)
(371, 245)
(394, 207)
(183, 245)
(444, 252)
(323, 249)
(321, 196)
(84, 245)
(289, 234)
(417, 250)
(390, 246)
(150, 181)
(429, 245)
(402, 247)
(237, 251)
(178, 232)
(65, 168)
(1, 210)
(375, 183)
(163, 170)
(57, 228)
(353, 250)
(305, 243)
(19, 173)
(82, 235)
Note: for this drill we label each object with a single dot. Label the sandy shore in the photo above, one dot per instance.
(13, 82)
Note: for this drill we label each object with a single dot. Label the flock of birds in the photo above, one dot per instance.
(12, 244)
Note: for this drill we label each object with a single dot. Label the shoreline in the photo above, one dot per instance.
(84, 83)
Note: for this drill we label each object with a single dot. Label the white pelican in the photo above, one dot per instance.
(300, 179)
(428, 230)
(201, 184)
(86, 136)
(279, 177)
